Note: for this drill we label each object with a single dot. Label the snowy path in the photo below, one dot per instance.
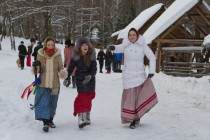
(183, 111)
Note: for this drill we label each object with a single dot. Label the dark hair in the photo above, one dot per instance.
(68, 42)
(133, 29)
(86, 57)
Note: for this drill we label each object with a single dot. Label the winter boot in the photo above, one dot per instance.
(81, 120)
(108, 71)
(137, 121)
(46, 125)
(132, 125)
(88, 118)
(51, 124)
(74, 81)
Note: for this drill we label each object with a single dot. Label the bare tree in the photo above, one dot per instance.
(65, 18)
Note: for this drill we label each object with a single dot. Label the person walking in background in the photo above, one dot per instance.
(35, 52)
(22, 54)
(118, 60)
(135, 101)
(46, 97)
(108, 60)
(100, 57)
(68, 54)
(30, 48)
(84, 60)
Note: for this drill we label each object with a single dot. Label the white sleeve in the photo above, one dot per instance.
(152, 59)
(119, 48)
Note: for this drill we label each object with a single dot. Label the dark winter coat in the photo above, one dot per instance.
(22, 50)
(109, 58)
(109, 55)
(39, 46)
(82, 70)
(101, 56)
(30, 49)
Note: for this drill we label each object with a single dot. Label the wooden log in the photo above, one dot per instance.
(187, 63)
(180, 41)
(186, 68)
(185, 74)
(158, 56)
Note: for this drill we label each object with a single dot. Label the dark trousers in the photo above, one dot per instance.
(108, 65)
(22, 58)
(101, 64)
(35, 57)
(118, 65)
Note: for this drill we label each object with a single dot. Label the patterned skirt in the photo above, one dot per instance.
(137, 101)
(45, 104)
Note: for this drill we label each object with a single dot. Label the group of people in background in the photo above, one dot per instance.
(80, 65)
(27, 52)
(112, 61)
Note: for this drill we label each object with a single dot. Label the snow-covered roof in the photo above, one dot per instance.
(206, 40)
(177, 9)
(116, 33)
(140, 20)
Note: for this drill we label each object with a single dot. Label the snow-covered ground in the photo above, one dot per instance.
(183, 111)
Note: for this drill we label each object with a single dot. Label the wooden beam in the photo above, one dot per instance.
(196, 26)
(201, 30)
(198, 15)
(185, 33)
(197, 23)
(203, 16)
(172, 28)
(158, 56)
(180, 41)
(172, 35)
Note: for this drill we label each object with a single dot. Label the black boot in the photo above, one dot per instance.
(137, 121)
(132, 125)
(51, 124)
(46, 125)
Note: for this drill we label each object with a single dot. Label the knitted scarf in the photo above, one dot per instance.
(49, 52)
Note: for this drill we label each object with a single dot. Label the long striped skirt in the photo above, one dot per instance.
(45, 104)
(137, 101)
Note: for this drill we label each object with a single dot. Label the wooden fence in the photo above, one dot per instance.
(191, 64)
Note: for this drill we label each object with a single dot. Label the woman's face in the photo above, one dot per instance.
(132, 36)
(50, 44)
(84, 48)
